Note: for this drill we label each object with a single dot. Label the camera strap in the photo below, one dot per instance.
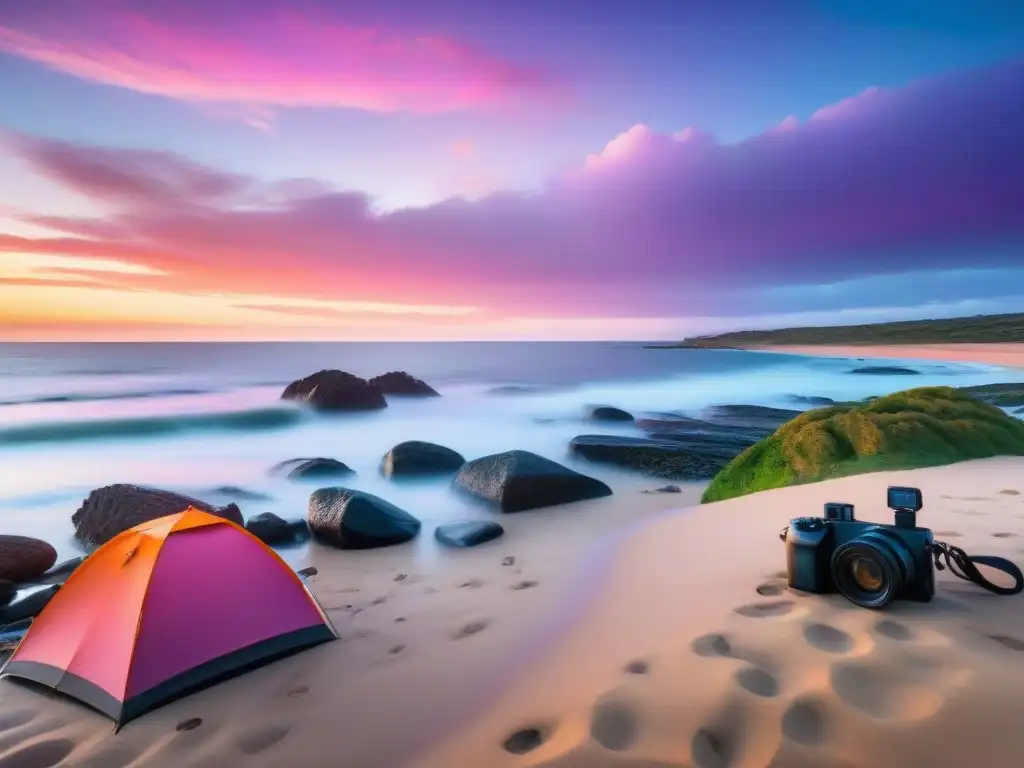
(963, 565)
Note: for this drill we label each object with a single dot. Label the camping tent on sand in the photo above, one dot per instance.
(166, 608)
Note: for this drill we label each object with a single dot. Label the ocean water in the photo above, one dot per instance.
(195, 417)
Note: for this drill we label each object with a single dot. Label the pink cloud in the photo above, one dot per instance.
(261, 54)
(462, 148)
(653, 225)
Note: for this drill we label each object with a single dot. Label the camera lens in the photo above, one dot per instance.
(871, 569)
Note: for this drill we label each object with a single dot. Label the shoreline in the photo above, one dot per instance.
(1009, 355)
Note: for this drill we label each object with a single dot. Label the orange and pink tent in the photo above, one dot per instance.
(166, 608)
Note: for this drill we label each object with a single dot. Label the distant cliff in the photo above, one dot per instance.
(980, 329)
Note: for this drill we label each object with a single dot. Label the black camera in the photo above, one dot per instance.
(870, 564)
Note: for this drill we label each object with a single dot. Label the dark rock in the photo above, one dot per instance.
(271, 529)
(29, 606)
(513, 389)
(515, 481)
(668, 489)
(335, 391)
(241, 494)
(8, 590)
(23, 558)
(350, 519)
(1002, 395)
(657, 458)
(108, 511)
(60, 572)
(608, 413)
(758, 417)
(469, 533)
(810, 400)
(715, 445)
(415, 458)
(16, 626)
(402, 383)
(885, 370)
(319, 468)
(1019, 410)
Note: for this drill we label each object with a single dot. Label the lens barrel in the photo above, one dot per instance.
(871, 569)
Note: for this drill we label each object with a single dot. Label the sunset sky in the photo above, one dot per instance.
(508, 169)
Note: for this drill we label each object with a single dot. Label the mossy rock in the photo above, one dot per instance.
(923, 427)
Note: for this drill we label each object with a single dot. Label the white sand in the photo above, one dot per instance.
(1009, 355)
(736, 671)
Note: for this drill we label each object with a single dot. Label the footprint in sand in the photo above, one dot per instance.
(42, 754)
(712, 645)
(827, 638)
(1005, 535)
(885, 691)
(473, 628)
(614, 725)
(525, 740)
(256, 740)
(771, 589)
(637, 667)
(189, 725)
(299, 690)
(968, 512)
(712, 748)
(1010, 492)
(525, 585)
(804, 722)
(766, 610)
(757, 681)
(893, 630)
(949, 534)
(1010, 642)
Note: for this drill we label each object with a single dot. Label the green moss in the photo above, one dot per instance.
(923, 427)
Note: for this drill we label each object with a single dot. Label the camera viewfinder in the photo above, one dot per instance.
(839, 512)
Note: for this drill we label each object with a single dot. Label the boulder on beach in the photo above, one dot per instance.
(112, 509)
(516, 481)
(335, 391)
(271, 529)
(750, 417)
(885, 370)
(59, 573)
(403, 384)
(672, 460)
(28, 606)
(350, 519)
(23, 558)
(923, 427)
(318, 468)
(810, 400)
(416, 458)
(608, 413)
(1003, 395)
(469, 533)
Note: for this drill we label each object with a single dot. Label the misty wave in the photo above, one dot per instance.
(102, 396)
(151, 426)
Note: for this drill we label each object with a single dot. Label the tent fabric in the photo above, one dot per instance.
(165, 608)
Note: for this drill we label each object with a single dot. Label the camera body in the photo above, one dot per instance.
(869, 563)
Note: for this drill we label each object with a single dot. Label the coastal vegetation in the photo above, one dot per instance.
(922, 427)
(981, 329)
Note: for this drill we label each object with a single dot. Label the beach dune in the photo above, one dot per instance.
(674, 643)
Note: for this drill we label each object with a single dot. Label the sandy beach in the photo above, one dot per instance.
(673, 643)
(1010, 355)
